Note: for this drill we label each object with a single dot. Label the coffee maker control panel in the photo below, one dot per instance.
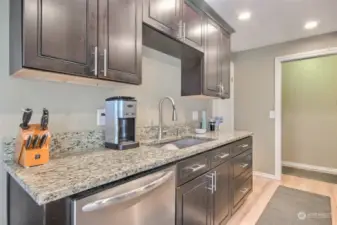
(127, 109)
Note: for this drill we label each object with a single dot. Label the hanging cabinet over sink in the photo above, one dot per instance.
(212, 62)
(192, 26)
(163, 15)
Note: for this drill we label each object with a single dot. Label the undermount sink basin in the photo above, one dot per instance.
(181, 143)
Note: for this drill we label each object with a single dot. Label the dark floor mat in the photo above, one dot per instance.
(329, 178)
(294, 207)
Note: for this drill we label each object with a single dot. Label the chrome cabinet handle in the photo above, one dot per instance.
(184, 30)
(181, 30)
(243, 146)
(223, 156)
(195, 168)
(119, 198)
(105, 62)
(244, 165)
(244, 191)
(212, 188)
(221, 89)
(215, 181)
(95, 70)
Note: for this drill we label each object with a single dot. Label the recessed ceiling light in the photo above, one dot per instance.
(311, 25)
(244, 16)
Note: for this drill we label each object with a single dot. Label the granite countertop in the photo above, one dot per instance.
(69, 174)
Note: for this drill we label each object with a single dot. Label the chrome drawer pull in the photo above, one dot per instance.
(223, 156)
(243, 146)
(244, 165)
(244, 191)
(195, 168)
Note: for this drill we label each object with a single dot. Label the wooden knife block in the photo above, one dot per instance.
(32, 157)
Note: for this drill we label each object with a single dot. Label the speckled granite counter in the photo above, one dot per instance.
(71, 173)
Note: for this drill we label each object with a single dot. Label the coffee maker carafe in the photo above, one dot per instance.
(120, 123)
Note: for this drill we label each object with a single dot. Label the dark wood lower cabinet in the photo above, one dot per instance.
(212, 198)
(222, 200)
(193, 202)
(23, 210)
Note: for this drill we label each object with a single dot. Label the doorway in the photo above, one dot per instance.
(297, 102)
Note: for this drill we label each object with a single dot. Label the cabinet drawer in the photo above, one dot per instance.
(242, 163)
(220, 155)
(241, 190)
(242, 145)
(193, 167)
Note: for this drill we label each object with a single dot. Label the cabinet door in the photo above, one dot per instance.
(193, 26)
(164, 15)
(225, 65)
(212, 66)
(193, 202)
(222, 201)
(120, 40)
(60, 35)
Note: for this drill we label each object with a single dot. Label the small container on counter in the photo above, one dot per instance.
(212, 124)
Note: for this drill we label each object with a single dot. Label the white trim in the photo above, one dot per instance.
(320, 169)
(278, 98)
(265, 175)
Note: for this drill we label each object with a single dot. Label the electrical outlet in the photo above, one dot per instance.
(195, 116)
(100, 117)
(272, 114)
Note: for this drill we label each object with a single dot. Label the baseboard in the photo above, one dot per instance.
(265, 175)
(310, 167)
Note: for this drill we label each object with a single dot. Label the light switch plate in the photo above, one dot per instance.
(195, 116)
(100, 117)
(272, 114)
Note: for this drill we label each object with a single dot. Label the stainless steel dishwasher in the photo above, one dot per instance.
(148, 200)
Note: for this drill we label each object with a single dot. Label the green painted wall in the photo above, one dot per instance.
(310, 111)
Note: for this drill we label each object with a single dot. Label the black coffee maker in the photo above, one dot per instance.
(120, 123)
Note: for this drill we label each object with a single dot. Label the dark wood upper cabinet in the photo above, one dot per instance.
(58, 35)
(102, 40)
(208, 73)
(212, 55)
(120, 40)
(225, 62)
(193, 32)
(164, 15)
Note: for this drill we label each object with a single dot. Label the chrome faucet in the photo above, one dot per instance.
(174, 115)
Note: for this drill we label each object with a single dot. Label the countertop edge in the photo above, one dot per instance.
(44, 198)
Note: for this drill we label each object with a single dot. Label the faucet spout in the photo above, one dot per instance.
(174, 114)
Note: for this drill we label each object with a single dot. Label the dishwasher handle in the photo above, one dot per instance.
(102, 203)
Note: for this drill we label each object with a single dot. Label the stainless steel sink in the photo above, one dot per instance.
(181, 143)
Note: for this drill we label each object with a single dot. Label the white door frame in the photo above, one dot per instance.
(278, 98)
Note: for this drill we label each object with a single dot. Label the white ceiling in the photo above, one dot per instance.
(275, 21)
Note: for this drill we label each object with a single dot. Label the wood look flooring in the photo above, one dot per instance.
(263, 190)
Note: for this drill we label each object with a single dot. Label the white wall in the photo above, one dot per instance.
(254, 93)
